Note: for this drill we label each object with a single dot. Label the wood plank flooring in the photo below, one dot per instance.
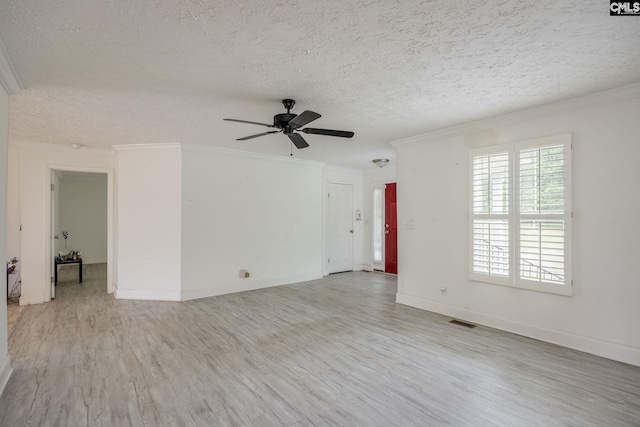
(331, 352)
(14, 309)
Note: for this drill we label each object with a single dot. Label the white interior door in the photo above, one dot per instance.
(340, 227)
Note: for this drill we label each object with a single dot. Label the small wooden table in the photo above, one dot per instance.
(68, 261)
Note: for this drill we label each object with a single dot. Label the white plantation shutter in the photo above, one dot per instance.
(491, 205)
(491, 247)
(520, 217)
(542, 250)
(542, 190)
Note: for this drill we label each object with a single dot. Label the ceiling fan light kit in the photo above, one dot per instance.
(289, 123)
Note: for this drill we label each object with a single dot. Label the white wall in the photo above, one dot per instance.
(37, 161)
(603, 315)
(188, 222)
(82, 212)
(13, 203)
(149, 221)
(13, 210)
(247, 212)
(5, 363)
(377, 177)
(334, 174)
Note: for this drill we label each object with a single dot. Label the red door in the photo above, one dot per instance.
(390, 230)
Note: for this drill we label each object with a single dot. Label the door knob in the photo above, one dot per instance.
(386, 231)
(386, 226)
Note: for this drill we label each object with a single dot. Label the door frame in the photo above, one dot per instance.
(326, 225)
(378, 184)
(48, 249)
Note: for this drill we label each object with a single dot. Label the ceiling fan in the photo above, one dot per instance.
(289, 123)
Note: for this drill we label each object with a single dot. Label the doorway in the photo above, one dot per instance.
(79, 230)
(339, 227)
(384, 228)
(390, 230)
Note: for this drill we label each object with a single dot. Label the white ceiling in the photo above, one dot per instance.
(109, 72)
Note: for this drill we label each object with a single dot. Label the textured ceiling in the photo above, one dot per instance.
(138, 71)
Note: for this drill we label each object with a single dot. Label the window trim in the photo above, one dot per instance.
(514, 216)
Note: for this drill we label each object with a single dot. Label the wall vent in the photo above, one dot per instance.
(461, 323)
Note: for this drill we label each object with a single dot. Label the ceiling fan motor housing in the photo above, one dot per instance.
(281, 121)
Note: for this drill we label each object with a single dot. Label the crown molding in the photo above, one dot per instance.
(134, 147)
(195, 148)
(54, 147)
(8, 77)
(206, 148)
(546, 110)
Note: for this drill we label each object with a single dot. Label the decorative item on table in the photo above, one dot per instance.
(13, 291)
(11, 265)
(71, 254)
(65, 234)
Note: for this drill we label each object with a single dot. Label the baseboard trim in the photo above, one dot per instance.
(24, 301)
(5, 373)
(610, 350)
(246, 285)
(134, 294)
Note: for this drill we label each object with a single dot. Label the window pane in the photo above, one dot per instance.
(552, 179)
(377, 225)
(491, 247)
(542, 179)
(491, 183)
(542, 245)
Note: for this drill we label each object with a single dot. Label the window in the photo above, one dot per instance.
(521, 215)
(378, 227)
(490, 188)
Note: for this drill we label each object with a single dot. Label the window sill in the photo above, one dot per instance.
(545, 287)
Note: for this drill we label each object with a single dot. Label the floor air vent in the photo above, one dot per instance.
(461, 323)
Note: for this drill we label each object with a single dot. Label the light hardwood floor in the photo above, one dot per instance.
(14, 309)
(336, 351)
